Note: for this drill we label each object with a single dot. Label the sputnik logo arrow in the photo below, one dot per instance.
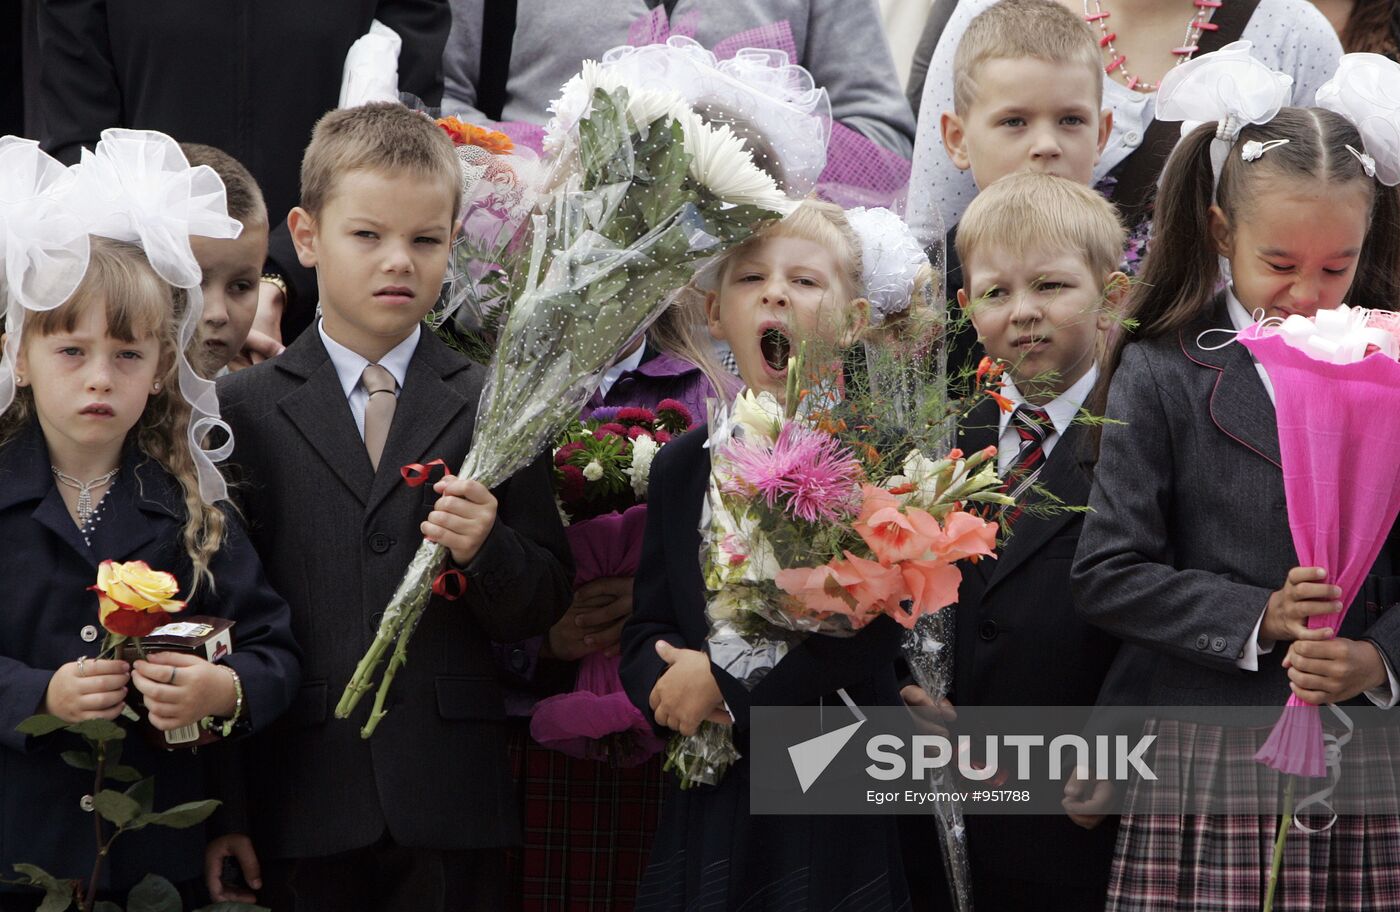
(810, 758)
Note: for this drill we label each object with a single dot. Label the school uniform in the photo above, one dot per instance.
(709, 850)
(1019, 642)
(337, 536)
(1186, 539)
(50, 619)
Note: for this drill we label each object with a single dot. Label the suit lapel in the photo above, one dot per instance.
(979, 430)
(426, 406)
(319, 410)
(1239, 405)
(1066, 475)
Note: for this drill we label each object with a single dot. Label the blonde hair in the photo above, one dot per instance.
(138, 304)
(384, 137)
(1012, 29)
(1033, 211)
(817, 221)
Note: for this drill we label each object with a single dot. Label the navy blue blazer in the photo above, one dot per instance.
(708, 845)
(1188, 531)
(50, 619)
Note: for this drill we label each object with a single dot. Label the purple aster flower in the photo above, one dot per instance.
(809, 471)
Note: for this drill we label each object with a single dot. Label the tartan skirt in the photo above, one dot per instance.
(587, 827)
(1165, 862)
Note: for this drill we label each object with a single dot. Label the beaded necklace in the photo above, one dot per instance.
(88, 512)
(1118, 62)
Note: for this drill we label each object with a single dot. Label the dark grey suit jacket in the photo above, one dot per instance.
(1188, 534)
(335, 537)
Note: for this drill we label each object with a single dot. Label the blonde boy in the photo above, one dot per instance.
(414, 819)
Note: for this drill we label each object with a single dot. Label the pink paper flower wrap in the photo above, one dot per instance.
(1339, 442)
(596, 721)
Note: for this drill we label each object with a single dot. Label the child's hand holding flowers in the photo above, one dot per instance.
(686, 693)
(87, 689)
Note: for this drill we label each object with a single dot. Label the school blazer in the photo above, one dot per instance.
(669, 604)
(336, 537)
(50, 619)
(1187, 534)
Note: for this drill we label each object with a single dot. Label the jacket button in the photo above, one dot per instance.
(987, 630)
(86, 803)
(1218, 644)
(379, 542)
(1203, 642)
(88, 633)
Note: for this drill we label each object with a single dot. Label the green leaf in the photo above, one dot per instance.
(144, 794)
(115, 807)
(181, 816)
(56, 901)
(38, 726)
(79, 759)
(154, 894)
(121, 773)
(58, 894)
(98, 730)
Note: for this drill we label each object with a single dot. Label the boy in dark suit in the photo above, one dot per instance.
(415, 818)
(1039, 255)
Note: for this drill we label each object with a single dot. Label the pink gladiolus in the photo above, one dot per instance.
(895, 535)
(819, 589)
(932, 585)
(965, 535)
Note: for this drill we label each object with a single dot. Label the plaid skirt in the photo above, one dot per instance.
(1165, 862)
(588, 828)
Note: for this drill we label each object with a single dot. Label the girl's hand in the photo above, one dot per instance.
(1303, 595)
(1086, 799)
(928, 715)
(90, 689)
(594, 620)
(1334, 671)
(686, 693)
(461, 518)
(181, 689)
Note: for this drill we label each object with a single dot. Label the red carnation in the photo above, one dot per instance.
(663, 436)
(674, 416)
(561, 455)
(638, 431)
(635, 416)
(611, 429)
(571, 483)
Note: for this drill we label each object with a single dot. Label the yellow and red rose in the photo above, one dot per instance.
(133, 599)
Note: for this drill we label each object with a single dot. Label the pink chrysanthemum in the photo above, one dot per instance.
(811, 472)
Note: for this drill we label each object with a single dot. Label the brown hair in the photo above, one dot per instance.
(1373, 27)
(1012, 29)
(385, 137)
(138, 304)
(1030, 210)
(1180, 277)
(245, 199)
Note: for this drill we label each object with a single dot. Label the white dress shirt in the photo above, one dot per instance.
(349, 366)
(1062, 411)
(1384, 696)
(614, 373)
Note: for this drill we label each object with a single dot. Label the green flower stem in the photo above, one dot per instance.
(1284, 822)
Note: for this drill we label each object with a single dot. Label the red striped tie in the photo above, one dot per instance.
(1033, 426)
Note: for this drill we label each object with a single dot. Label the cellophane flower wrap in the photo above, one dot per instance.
(1336, 381)
(821, 517)
(640, 190)
(602, 467)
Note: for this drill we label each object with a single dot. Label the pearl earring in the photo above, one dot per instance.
(155, 387)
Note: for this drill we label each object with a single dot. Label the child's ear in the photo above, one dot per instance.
(1220, 232)
(954, 140)
(21, 361)
(1115, 297)
(971, 312)
(1105, 129)
(712, 316)
(858, 319)
(302, 226)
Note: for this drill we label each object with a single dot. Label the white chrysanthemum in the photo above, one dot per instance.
(593, 471)
(760, 415)
(643, 452)
(575, 102)
(720, 162)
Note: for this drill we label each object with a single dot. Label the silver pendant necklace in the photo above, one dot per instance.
(84, 489)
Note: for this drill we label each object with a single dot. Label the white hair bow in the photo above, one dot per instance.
(44, 244)
(137, 186)
(1227, 86)
(890, 260)
(1366, 91)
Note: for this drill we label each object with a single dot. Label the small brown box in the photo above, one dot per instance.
(209, 638)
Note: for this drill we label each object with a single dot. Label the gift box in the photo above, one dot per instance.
(208, 638)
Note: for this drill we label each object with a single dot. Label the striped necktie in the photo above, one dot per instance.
(1033, 427)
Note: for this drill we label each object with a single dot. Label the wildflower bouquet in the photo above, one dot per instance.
(641, 189)
(819, 518)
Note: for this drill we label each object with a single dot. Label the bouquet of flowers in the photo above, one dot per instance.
(601, 470)
(641, 189)
(820, 518)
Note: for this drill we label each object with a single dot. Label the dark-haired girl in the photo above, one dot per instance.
(1186, 552)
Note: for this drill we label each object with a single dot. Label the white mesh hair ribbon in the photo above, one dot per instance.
(1227, 86)
(137, 186)
(1366, 91)
(890, 260)
(44, 245)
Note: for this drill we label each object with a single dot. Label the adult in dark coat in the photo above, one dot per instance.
(50, 619)
(708, 845)
(336, 537)
(249, 77)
